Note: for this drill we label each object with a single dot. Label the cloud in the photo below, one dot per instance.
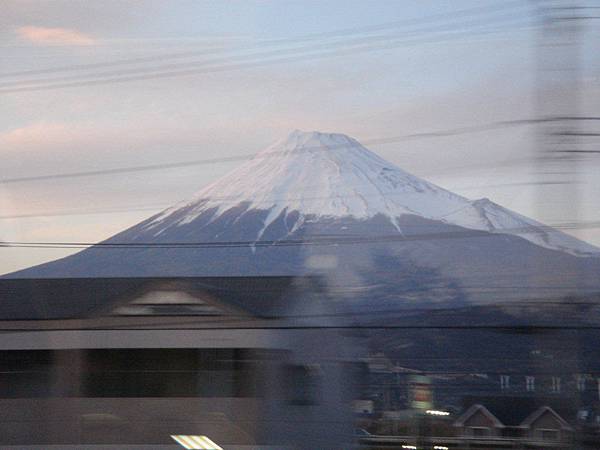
(54, 36)
(35, 136)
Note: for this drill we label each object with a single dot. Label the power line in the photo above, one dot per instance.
(248, 156)
(318, 240)
(251, 56)
(501, 327)
(148, 75)
(84, 212)
(376, 141)
(514, 5)
(582, 225)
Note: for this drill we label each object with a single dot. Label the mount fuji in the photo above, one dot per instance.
(312, 176)
(383, 230)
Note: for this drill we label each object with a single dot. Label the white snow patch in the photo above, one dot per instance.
(333, 176)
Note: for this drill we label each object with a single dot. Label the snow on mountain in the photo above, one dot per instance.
(333, 176)
(497, 219)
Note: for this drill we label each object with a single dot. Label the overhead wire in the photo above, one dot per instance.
(501, 327)
(315, 240)
(84, 212)
(514, 5)
(251, 56)
(302, 56)
(275, 154)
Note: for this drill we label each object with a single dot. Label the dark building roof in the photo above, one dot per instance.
(512, 411)
(78, 298)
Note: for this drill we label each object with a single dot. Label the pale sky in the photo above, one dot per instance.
(468, 71)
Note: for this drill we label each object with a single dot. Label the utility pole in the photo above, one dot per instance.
(557, 190)
(557, 104)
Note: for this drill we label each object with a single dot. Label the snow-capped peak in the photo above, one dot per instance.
(332, 175)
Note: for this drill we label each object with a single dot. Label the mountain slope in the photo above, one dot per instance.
(334, 176)
(433, 245)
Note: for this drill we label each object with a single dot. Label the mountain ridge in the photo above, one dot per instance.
(333, 175)
(444, 249)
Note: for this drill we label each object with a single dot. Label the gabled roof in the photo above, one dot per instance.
(171, 298)
(530, 420)
(474, 409)
(512, 411)
(77, 298)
